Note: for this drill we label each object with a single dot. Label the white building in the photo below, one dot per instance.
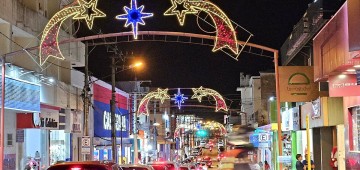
(250, 88)
(45, 93)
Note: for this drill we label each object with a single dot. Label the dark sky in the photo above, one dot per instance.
(185, 65)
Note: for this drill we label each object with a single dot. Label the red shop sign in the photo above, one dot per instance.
(343, 85)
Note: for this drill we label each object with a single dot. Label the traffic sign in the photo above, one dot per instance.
(85, 145)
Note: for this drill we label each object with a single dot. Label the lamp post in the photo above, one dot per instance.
(112, 106)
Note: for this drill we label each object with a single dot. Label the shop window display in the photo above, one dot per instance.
(356, 128)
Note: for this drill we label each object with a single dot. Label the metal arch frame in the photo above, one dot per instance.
(153, 33)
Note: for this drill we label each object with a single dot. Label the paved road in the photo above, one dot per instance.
(213, 154)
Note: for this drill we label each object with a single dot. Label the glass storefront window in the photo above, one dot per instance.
(59, 146)
(356, 128)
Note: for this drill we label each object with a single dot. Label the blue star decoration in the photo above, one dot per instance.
(134, 16)
(179, 98)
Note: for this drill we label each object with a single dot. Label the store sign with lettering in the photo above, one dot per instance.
(48, 119)
(343, 85)
(102, 120)
(118, 118)
(297, 84)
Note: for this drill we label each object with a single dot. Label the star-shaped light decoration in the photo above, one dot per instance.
(134, 16)
(201, 92)
(180, 14)
(89, 12)
(179, 98)
(162, 95)
(198, 93)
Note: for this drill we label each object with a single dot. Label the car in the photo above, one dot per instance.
(207, 160)
(167, 165)
(184, 167)
(202, 144)
(132, 167)
(220, 144)
(98, 165)
(221, 149)
(220, 156)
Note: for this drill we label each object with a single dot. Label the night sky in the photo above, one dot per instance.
(185, 65)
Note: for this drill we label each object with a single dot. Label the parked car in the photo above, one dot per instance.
(202, 144)
(164, 165)
(133, 167)
(98, 165)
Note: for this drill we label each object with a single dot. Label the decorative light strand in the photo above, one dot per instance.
(49, 44)
(160, 94)
(225, 32)
(201, 92)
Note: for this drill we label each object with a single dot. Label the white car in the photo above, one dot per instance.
(202, 144)
(220, 144)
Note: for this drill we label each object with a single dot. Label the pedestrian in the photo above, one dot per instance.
(299, 164)
(305, 163)
(267, 166)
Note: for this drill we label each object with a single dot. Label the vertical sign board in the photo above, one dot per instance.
(85, 145)
(297, 84)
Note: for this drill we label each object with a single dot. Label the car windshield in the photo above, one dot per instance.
(77, 167)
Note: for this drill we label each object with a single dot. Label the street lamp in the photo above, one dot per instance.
(112, 105)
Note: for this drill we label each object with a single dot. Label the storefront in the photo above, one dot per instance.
(18, 100)
(45, 140)
(102, 124)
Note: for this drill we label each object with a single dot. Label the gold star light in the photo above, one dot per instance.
(162, 95)
(198, 93)
(85, 13)
(187, 9)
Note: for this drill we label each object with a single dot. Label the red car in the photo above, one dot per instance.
(92, 165)
(163, 166)
(220, 156)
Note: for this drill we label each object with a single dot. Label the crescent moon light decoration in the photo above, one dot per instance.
(225, 32)
(49, 45)
(201, 92)
(160, 94)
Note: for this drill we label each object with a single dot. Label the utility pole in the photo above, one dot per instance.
(86, 95)
(112, 106)
(136, 159)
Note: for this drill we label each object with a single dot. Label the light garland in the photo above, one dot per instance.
(160, 94)
(134, 16)
(225, 32)
(201, 92)
(179, 98)
(49, 44)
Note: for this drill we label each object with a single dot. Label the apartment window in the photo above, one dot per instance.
(9, 141)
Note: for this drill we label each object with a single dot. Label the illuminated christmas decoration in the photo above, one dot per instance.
(215, 125)
(49, 45)
(159, 94)
(201, 92)
(134, 16)
(225, 32)
(173, 10)
(179, 98)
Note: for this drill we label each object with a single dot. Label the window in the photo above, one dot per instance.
(9, 141)
(355, 129)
